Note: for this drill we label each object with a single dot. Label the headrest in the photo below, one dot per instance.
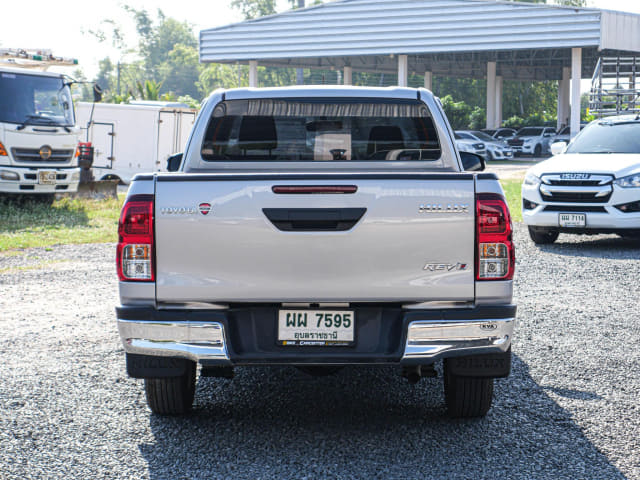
(257, 133)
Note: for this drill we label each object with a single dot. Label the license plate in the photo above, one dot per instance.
(316, 327)
(46, 177)
(572, 219)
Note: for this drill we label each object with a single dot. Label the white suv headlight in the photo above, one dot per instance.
(531, 180)
(630, 181)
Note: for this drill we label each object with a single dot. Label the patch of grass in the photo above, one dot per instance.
(512, 189)
(66, 221)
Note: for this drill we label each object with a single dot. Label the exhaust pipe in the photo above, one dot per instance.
(412, 374)
(415, 373)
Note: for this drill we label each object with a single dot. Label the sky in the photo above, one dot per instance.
(62, 26)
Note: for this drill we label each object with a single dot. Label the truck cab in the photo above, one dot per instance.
(38, 133)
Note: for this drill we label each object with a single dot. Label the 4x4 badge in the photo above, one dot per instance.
(204, 208)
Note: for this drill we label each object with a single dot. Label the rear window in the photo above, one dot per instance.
(323, 130)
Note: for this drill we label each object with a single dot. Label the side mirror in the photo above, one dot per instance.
(558, 147)
(548, 134)
(472, 162)
(97, 93)
(173, 162)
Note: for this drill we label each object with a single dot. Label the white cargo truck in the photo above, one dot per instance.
(38, 132)
(133, 138)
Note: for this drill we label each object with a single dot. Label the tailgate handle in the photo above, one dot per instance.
(314, 219)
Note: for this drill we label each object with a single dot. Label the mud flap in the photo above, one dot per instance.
(494, 365)
(148, 366)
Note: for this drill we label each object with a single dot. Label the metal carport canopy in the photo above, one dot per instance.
(446, 37)
(496, 40)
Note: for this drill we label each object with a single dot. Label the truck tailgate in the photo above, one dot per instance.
(271, 238)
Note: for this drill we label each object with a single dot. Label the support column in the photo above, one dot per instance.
(348, 75)
(428, 81)
(253, 73)
(576, 75)
(403, 70)
(563, 98)
(491, 94)
(498, 113)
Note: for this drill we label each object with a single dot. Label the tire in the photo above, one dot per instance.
(542, 236)
(173, 395)
(466, 397)
(537, 151)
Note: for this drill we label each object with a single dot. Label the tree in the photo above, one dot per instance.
(168, 57)
(255, 8)
(457, 112)
(569, 3)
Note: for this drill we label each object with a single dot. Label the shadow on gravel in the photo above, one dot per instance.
(368, 423)
(612, 247)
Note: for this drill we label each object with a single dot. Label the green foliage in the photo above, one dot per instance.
(478, 118)
(168, 57)
(512, 189)
(189, 101)
(216, 75)
(571, 3)
(254, 8)
(513, 122)
(457, 112)
(149, 90)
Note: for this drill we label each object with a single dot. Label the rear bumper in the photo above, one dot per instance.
(247, 335)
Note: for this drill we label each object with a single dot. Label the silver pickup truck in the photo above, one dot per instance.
(318, 227)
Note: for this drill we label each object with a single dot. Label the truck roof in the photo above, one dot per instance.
(328, 91)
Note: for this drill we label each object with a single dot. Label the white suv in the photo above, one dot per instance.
(592, 186)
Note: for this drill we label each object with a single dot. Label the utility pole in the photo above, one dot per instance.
(300, 71)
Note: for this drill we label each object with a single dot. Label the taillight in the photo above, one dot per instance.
(135, 243)
(496, 253)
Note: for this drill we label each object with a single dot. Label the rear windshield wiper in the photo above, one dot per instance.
(31, 119)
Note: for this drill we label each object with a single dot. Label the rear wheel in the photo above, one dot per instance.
(543, 236)
(466, 396)
(172, 395)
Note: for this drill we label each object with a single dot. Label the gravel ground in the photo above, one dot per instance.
(569, 410)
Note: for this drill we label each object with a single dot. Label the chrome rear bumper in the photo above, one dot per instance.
(191, 340)
(426, 340)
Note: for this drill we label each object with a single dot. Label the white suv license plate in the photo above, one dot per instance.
(46, 177)
(316, 327)
(572, 219)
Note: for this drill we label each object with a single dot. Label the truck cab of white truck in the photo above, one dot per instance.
(318, 227)
(38, 133)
